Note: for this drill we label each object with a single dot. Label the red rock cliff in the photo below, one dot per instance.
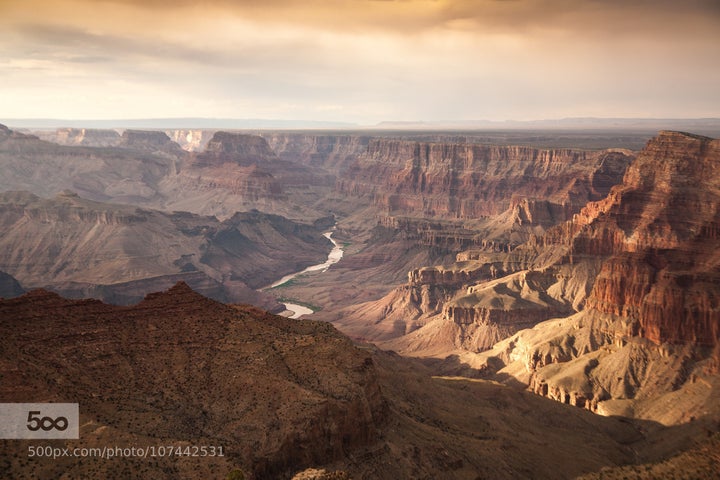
(660, 230)
(471, 181)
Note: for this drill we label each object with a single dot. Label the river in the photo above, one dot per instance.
(333, 257)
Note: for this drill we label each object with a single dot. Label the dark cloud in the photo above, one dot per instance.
(405, 15)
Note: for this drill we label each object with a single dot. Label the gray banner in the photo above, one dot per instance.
(39, 420)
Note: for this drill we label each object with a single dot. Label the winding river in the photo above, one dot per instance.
(333, 257)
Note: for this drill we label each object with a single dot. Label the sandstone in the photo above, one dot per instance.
(101, 174)
(242, 147)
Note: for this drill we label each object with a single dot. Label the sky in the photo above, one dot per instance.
(361, 61)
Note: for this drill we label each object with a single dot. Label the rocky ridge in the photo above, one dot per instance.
(149, 140)
(101, 174)
(239, 172)
(276, 394)
(454, 197)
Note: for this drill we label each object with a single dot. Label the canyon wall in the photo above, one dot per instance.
(123, 175)
(611, 311)
(652, 312)
(495, 199)
(660, 228)
(240, 172)
(471, 181)
(330, 152)
(150, 141)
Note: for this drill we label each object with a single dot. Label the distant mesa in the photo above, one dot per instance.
(251, 147)
(149, 140)
(85, 137)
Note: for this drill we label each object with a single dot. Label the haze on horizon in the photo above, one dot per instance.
(361, 61)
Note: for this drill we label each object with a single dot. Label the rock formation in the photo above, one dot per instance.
(277, 395)
(149, 140)
(333, 153)
(471, 181)
(610, 305)
(641, 268)
(46, 169)
(239, 172)
(237, 147)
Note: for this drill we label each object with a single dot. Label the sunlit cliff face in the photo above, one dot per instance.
(359, 60)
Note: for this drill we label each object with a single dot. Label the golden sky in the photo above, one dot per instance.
(361, 61)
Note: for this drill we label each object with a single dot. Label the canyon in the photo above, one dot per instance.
(578, 280)
(609, 311)
(119, 253)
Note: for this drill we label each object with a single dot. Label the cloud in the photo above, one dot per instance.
(399, 59)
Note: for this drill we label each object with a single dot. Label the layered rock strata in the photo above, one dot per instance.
(191, 140)
(471, 181)
(334, 153)
(121, 174)
(239, 172)
(641, 268)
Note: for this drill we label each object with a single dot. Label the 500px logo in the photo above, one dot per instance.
(46, 423)
(39, 421)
